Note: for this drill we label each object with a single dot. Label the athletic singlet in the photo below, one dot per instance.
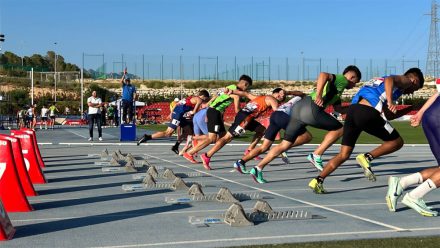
(374, 92)
(223, 100)
(332, 91)
(287, 107)
(187, 102)
(256, 107)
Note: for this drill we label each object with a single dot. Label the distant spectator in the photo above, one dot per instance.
(44, 114)
(110, 115)
(94, 115)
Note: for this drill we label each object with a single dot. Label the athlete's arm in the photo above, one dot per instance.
(272, 102)
(322, 79)
(401, 82)
(197, 101)
(236, 103)
(340, 109)
(399, 113)
(243, 94)
(415, 119)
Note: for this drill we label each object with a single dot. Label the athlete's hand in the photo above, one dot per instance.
(416, 119)
(392, 108)
(319, 101)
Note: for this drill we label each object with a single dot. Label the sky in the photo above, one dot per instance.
(367, 29)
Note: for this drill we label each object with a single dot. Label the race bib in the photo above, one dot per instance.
(250, 107)
(175, 122)
(238, 131)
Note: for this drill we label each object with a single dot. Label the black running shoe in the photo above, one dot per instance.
(144, 138)
(175, 149)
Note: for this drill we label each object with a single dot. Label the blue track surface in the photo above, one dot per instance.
(82, 206)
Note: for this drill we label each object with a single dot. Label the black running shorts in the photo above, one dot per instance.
(365, 118)
(215, 121)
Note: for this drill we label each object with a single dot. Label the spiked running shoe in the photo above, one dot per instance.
(419, 206)
(394, 192)
(190, 158)
(365, 164)
(240, 167)
(316, 161)
(285, 158)
(144, 138)
(175, 149)
(205, 160)
(257, 175)
(317, 187)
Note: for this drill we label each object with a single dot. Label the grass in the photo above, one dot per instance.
(425, 242)
(409, 134)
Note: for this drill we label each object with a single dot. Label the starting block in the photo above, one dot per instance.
(224, 195)
(262, 212)
(149, 182)
(6, 229)
(167, 174)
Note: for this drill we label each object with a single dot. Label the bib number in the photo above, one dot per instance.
(238, 131)
(175, 122)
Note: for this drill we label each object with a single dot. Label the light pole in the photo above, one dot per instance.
(181, 73)
(55, 74)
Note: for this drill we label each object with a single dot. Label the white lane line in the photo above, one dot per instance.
(288, 197)
(80, 135)
(188, 242)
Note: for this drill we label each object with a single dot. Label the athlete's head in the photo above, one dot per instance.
(279, 94)
(415, 75)
(244, 82)
(204, 95)
(353, 75)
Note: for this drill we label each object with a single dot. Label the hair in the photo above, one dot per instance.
(277, 90)
(354, 69)
(246, 78)
(127, 80)
(416, 71)
(204, 93)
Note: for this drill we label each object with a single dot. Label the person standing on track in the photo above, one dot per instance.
(94, 115)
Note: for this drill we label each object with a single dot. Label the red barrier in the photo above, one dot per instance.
(37, 149)
(22, 170)
(6, 229)
(30, 157)
(11, 192)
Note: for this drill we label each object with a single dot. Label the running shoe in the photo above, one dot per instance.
(175, 149)
(256, 158)
(285, 158)
(316, 161)
(257, 175)
(419, 206)
(100, 138)
(317, 187)
(205, 160)
(90, 139)
(365, 164)
(190, 158)
(144, 138)
(240, 167)
(394, 192)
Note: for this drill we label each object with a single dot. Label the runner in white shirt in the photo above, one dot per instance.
(94, 114)
(44, 112)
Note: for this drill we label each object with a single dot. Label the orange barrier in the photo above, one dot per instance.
(30, 157)
(7, 231)
(11, 192)
(21, 167)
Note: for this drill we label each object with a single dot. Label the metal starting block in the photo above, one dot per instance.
(167, 174)
(223, 195)
(112, 162)
(150, 182)
(262, 212)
